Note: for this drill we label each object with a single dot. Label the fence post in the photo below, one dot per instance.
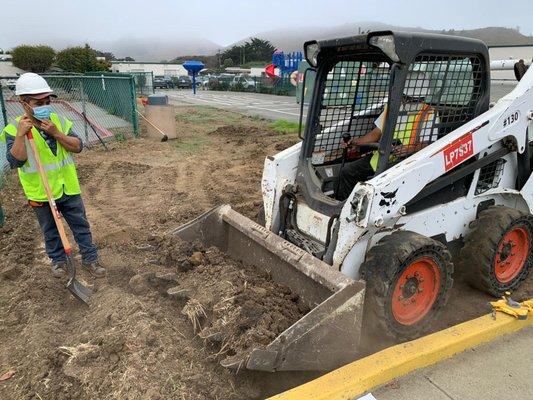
(84, 111)
(134, 107)
(3, 105)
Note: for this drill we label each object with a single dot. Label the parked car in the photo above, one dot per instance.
(219, 82)
(184, 82)
(244, 81)
(163, 82)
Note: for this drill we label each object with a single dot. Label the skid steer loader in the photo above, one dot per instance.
(450, 175)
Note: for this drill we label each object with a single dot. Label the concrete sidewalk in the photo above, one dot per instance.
(499, 370)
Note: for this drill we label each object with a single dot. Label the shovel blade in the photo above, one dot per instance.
(80, 291)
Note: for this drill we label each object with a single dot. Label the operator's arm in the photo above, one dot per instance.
(371, 137)
(71, 143)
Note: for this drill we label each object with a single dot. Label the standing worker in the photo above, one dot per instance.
(55, 142)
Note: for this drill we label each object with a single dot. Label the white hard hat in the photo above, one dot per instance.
(32, 84)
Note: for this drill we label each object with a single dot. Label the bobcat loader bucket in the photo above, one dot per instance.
(323, 339)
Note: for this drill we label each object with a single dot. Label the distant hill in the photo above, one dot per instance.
(152, 49)
(293, 39)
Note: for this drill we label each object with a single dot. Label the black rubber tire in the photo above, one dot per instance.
(384, 265)
(481, 246)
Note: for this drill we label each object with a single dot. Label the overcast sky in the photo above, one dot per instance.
(60, 22)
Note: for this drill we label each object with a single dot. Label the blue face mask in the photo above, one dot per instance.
(42, 112)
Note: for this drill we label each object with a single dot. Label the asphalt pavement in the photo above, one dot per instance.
(264, 105)
(271, 106)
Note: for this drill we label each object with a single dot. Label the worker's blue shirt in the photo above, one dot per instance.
(51, 142)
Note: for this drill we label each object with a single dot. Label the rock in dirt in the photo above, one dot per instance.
(7, 375)
(139, 284)
(180, 293)
(197, 258)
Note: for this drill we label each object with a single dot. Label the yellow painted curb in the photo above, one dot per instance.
(358, 377)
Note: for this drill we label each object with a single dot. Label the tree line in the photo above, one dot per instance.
(83, 59)
(79, 59)
(255, 51)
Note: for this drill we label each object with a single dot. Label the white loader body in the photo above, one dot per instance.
(366, 217)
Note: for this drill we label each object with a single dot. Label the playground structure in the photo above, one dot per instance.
(193, 68)
(283, 65)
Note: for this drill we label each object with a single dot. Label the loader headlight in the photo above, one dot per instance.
(386, 44)
(311, 50)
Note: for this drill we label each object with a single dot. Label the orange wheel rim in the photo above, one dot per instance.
(415, 291)
(512, 254)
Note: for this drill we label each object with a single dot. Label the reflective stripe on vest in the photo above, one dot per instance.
(410, 134)
(60, 168)
(48, 167)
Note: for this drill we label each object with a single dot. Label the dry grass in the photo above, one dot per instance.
(194, 310)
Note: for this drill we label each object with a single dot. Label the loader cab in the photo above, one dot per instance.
(391, 76)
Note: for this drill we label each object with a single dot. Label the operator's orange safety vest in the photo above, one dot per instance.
(409, 132)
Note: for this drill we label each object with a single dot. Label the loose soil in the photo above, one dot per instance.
(232, 306)
(167, 312)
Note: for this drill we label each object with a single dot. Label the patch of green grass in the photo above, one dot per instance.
(120, 137)
(191, 145)
(258, 118)
(283, 126)
(198, 114)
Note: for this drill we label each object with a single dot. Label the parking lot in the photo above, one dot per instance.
(265, 105)
(272, 106)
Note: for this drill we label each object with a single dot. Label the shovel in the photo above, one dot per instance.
(75, 287)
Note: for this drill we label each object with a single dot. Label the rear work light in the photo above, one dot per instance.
(386, 44)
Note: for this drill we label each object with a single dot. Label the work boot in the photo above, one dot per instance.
(95, 269)
(59, 269)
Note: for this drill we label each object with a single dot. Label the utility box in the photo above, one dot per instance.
(158, 100)
(162, 116)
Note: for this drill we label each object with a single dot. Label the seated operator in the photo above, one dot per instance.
(414, 130)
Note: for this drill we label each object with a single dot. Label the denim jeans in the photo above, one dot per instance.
(73, 211)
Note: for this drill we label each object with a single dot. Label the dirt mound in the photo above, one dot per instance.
(233, 306)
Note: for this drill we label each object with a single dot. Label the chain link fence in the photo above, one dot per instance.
(102, 107)
(144, 82)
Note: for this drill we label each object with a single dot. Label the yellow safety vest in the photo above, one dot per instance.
(408, 132)
(60, 168)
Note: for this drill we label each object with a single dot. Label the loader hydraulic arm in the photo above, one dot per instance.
(506, 123)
